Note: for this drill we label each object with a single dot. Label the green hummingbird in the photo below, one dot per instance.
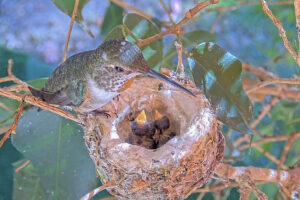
(90, 79)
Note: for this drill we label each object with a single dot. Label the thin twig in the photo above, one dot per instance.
(266, 109)
(22, 166)
(38, 102)
(31, 99)
(180, 66)
(270, 156)
(177, 27)
(218, 18)
(281, 30)
(297, 14)
(226, 171)
(286, 149)
(10, 76)
(274, 81)
(167, 11)
(5, 107)
(97, 190)
(16, 88)
(109, 198)
(218, 187)
(70, 29)
(247, 3)
(270, 139)
(261, 73)
(240, 140)
(136, 10)
(4, 129)
(280, 92)
(15, 123)
(131, 8)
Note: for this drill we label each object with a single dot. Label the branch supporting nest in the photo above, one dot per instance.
(248, 176)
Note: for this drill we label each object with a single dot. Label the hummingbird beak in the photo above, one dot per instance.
(168, 80)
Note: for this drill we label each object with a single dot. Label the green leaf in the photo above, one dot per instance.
(218, 74)
(38, 83)
(56, 148)
(67, 7)
(142, 28)
(25, 67)
(137, 27)
(188, 39)
(27, 183)
(116, 33)
(113, 17)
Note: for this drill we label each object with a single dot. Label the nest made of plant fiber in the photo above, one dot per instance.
(166, 163)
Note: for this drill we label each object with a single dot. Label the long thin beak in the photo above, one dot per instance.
(168, 80)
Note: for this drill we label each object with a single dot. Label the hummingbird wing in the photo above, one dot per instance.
(71, 95)
(58, 98)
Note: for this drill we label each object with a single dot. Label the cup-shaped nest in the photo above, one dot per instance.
(159, 143)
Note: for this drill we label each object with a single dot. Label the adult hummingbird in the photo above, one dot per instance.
(89, 80)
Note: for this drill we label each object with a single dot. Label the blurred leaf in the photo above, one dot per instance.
(113, 17)
(56, 148)
(142, 28)
(25, 67)
(8, 155)
(67, 7)
(218, 74)
(38, 83)
(188, 39)
(27, 184)
(137, 27)
(116, 33)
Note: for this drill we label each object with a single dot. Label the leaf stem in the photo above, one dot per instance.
(177, 27)
(70, 29)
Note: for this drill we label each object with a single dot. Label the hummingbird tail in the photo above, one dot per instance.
(58, 98)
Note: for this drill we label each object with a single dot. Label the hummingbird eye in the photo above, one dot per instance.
(119, 69)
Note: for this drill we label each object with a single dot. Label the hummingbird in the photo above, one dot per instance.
(88, 80)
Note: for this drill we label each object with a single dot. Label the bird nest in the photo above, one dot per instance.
(159, 143)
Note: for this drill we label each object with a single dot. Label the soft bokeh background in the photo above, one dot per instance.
(33, 33)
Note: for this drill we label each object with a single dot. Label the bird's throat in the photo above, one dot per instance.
(126, 85)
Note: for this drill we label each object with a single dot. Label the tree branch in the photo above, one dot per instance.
(38, 102)
(177, 27)
(274, 81)
(97, 190)
(132, 8)
(167, 11)
(15, 123)
(270, 139)
(70, 29)
(281, 30)
(266, 109)
(280, 92)
(297, 14)
(257, 174)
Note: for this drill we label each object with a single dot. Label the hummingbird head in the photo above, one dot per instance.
(125, 60)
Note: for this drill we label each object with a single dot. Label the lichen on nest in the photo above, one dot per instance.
(176, 165)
